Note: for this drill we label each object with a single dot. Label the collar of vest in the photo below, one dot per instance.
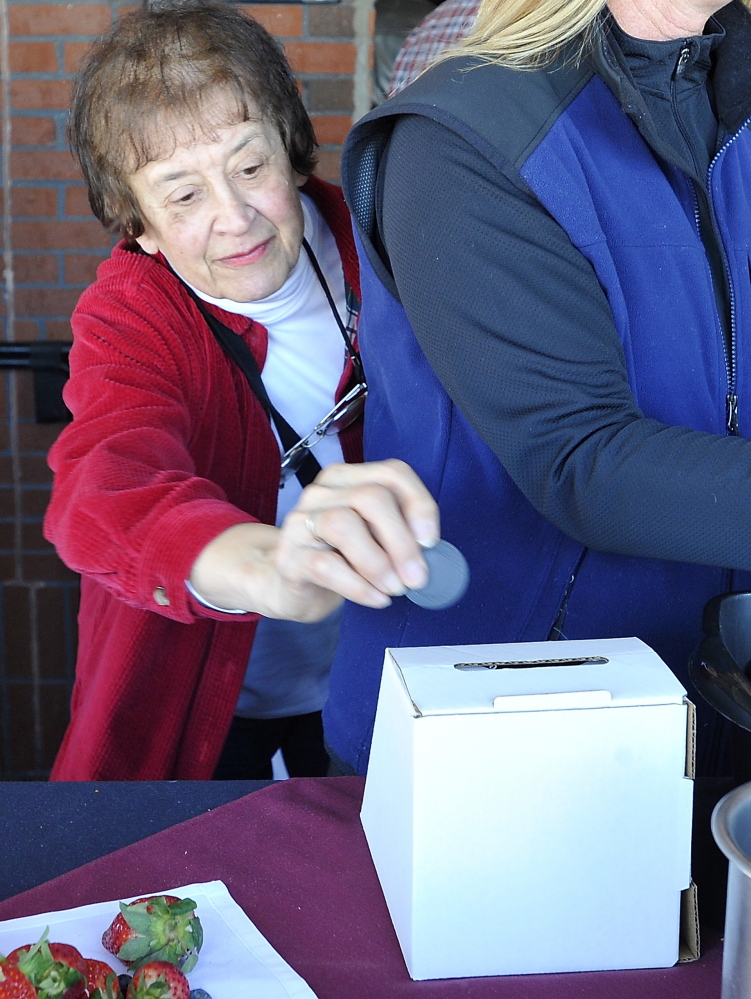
(731, 75)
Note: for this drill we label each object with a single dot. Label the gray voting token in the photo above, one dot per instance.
(448, 579)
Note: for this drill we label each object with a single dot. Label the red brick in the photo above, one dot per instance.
(35, 267)
(57, 329)
(331, 129)
(40, 93)
(329, 165)
(80, 268)
(33, 131)
(73, 53)
(34, 201)
(46, 301)
(321, 57)
(44, 165)
(283, 21)
(26, 329)
(33, 57)
(62, 19)
(77, 201)
(60, 236)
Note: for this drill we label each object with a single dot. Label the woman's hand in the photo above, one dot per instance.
(356, 532)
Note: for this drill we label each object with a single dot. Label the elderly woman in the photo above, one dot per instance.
(223, 320)
(557, 222)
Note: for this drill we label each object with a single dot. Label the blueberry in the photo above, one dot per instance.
(124, 981)
(199, 994)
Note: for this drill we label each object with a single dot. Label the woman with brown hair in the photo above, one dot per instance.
(216, 347)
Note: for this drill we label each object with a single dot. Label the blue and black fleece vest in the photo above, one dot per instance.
(574, 141)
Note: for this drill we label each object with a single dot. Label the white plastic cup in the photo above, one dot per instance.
(731, 828)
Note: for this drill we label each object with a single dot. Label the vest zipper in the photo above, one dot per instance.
(728, 346)
(728, 342)
(731, 400)
(682, 60)
(556, 629)
(677, 74)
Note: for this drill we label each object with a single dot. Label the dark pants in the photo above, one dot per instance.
(252, 742)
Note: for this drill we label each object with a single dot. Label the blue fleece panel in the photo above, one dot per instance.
(634, 218)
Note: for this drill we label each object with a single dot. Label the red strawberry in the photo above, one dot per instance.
(14, 984)
(158, 980)
(56, 970)
(67, 954)
(155, 928)
(101, 980)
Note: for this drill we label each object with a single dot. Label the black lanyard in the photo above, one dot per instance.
(237, 350)
(353, 354)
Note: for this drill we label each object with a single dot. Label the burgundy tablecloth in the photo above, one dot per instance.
(294, 856)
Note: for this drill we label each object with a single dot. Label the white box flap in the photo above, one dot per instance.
(631, 674)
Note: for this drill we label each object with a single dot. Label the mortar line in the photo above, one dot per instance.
(363, 84)
(5, 74)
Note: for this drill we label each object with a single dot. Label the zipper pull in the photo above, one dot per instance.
(682, 60)
(731, 413)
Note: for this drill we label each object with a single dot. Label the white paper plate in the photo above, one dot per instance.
(236, 960)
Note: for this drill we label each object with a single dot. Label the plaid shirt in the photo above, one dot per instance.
(447, 25)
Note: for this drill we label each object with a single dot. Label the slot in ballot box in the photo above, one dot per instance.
(532, 814)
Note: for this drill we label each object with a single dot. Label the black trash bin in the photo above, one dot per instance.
(720, 670)
(721, 667)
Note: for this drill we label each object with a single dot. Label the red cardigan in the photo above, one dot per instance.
(168, 448)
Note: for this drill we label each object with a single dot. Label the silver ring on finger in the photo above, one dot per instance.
(310, 526)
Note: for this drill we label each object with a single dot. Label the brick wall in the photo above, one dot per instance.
(51, 247)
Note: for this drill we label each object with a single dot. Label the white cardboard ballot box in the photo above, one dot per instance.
(532, 818)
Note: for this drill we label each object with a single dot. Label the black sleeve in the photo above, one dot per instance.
(518, 329)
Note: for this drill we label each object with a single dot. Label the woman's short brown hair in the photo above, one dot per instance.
(158, 66)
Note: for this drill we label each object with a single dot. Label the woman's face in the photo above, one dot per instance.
(225, 210)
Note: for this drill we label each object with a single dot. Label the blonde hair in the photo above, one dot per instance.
(530, 33)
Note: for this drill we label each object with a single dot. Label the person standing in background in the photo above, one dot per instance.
(394, 19)
(447, 25)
